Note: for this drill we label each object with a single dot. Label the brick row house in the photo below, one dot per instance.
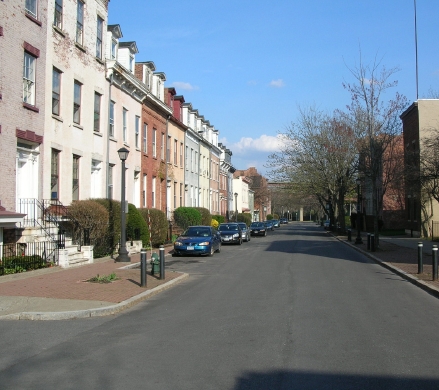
(71, 95)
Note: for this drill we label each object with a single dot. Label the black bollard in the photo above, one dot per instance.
(349, 235)
(434, 253)
(368, 241)
(143, 267)
(162, 262)
(372, 242)
(420, 263)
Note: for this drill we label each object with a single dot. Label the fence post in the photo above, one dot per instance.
(143, 267)
(349, 235)
(372, 242)
(420, 263)
(434, 250)
(162, 262)
(368, 241)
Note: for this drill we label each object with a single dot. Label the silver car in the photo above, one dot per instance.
(245, 231)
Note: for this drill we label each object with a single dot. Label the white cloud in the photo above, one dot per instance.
(183, 85)
(279, 83)
(265, 143)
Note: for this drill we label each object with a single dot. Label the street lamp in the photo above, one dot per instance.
(358, 240)
(236, 206)
(123, 253)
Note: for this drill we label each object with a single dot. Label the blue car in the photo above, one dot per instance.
(198, 240)
(258, 229)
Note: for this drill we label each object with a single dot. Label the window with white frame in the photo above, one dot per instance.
(181, 154)
(137, 130)
(181, 194)
(168, 150)
(154, 143)
(77, 102)
(124, 125)
(145, 138)
(97, 112)
(192, 160)
(54, 175)
(144, 190)
(29, 65)
(162, 147)
(31, 7)
(57, 18)
(75, 178)
(56, 91)
(80, 22)
(175, 151)
(110, 181)
(99, 37)
(153, 192)
(111, 124)
(175, 195)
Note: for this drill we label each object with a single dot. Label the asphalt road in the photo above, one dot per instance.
(294, 310)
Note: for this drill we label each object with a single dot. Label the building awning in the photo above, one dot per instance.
(10, 218)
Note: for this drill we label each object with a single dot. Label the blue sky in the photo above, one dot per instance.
(248, 65)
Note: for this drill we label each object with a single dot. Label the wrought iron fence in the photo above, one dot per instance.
(20, 257)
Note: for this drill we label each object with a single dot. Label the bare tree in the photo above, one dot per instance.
(377, 124)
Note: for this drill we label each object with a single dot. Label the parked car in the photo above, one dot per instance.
(231, 233)
(283, 221)
(276, 223)
(258, 229)
(269, 225)
(245, 232)
(198, 240)
(326, 224)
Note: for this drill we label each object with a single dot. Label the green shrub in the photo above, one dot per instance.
(206, 217)
(275, 216)
(269, 217)
(187, 216)
(246, 218)
(159, 225)
(219, 218)
(137, 228)
(112, 236)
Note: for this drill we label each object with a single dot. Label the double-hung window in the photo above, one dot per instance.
(175, 151)
(124, 125)
(54, 175)
(137, 130)
(154, 143)
(97, 112)
(56, 91)
(31, 7)
(145, 138)
(162, 147)
(57, 18)
(75, 178)
(80, 22)
(99, 35)
(29, 65)
(111, 124)
(77, 102)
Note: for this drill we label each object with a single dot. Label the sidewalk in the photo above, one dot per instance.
(400, 255)
(57, 293)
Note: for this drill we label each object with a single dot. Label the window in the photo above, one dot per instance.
(124, 124)
(77, 102)
(113, 49)
(79, 22)
(153, 192)
(137, 130)
(162, 147)
(75, 178)
(144, 190)
(57, 19)
(145, 138)
(186, 156)
(110, 181)
(192, 160)
(181, 154)
(31, 7)
(154, 143)
(181, 194)
(56, 91)
(175, 151)
(29, 78)
(99, 35)
(54, 175)
(111, 124)
(175, 195)
(97, 112)
(168, 150)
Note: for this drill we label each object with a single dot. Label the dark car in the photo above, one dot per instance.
(245, 232)
(276, 223)
(258, 229)
(283, 221)
(198, 240)
(231, 233)
(269, 225)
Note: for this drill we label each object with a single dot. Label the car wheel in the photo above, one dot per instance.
(219, 248)
(211, 251)
(240, 241)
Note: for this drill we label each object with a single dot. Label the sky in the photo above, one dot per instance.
(247, 66)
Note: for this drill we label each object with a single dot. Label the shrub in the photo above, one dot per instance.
(206, 217)
(275, 216)
(219, 218)
(269, 217)
(93, 216)
(137, 228)
(187, 216)
(246, 218)
(112, 236)
(158, 223)
(214, 223)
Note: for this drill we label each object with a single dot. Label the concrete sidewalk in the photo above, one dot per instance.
(57, 293)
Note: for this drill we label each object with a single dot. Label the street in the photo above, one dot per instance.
(297, 309)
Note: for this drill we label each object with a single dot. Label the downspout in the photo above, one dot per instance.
(107, 162)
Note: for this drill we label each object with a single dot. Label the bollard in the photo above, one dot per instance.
(372, 242)
(368, 241)
(434, 262)
(420, 263)
(143, 267)
(162, 262)
(349, 235)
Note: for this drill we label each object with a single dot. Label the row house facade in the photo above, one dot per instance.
(71, 95)
(226, 181)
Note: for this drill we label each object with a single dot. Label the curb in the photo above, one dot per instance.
(100, 312)
(409, 277)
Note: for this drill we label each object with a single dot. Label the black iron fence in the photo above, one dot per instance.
(21, 257)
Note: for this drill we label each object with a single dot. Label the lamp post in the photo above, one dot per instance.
(236, 206)
(358, 240)
(123, 253)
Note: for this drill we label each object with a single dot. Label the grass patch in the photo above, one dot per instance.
(103, 279)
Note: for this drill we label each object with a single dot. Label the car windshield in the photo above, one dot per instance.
(228, 227)
(243, 226)
(196, 232)
(257, 224)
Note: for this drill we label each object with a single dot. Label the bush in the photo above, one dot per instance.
(158, 224)
(214, 223)
(137, 228)
(112, 236)
(206, 218)
(275, 216)
(269, 217)
(246, 218)
(187, 216)
(219, 218)
(94, 216)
